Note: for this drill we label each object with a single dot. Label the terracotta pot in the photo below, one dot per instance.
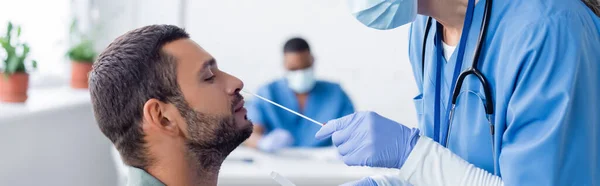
(79, 74)
(14, 88)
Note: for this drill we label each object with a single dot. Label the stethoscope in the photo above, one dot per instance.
(457, 84)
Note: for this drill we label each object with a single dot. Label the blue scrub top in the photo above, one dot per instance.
(542, 59)
(325, 101)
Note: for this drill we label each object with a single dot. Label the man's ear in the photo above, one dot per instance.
(158, 116)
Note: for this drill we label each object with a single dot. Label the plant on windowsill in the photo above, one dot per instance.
(82, 56)
(14, 79)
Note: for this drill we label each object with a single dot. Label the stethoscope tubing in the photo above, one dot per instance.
(473, 70)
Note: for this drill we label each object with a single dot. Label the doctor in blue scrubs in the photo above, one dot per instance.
(275, 128)
(523, 109)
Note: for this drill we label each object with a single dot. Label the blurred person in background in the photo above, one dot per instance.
(300, 91)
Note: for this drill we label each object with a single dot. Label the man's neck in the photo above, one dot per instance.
(449, 13)
(172, 170)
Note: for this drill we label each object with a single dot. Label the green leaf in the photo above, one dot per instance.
(9, 31)
(10, 50)
(83, 52)
(4, 43)
(34, 64)
(73, 28)
(13, 65)
(16, 52)
(23, 56)
(9, 27)
(25, 50)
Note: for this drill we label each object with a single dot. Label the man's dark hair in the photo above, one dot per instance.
(296, 45)
(130, 71)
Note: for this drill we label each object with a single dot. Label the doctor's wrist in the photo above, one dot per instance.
(414, 137)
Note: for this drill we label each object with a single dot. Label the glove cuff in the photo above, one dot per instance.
(414, 137)
(411, 142)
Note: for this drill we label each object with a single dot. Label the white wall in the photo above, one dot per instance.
(246, 38)
(62, 146)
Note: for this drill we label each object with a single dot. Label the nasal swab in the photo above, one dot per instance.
(284, 108)
(281, 180)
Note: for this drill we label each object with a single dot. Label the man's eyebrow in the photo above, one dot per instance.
(207, 64)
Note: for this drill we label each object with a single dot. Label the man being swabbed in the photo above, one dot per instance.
(168, 109)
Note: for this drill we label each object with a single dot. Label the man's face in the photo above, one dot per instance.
(297, 60)
(212, 107)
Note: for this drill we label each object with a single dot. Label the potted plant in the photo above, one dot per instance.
(82, 56)
(14, 80)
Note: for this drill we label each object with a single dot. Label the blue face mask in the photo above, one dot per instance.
(383, 14)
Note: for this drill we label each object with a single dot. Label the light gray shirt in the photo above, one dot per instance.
(139, 177)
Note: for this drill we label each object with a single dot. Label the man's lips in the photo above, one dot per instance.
(239, 106)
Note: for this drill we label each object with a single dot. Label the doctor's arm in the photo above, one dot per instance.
(368, 139)
(256, 115)
(549, 135)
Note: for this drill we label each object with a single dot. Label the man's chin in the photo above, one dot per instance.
(241, 119)
(243, 123)
(245, 127)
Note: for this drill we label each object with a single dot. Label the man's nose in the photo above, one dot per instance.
(234, 85)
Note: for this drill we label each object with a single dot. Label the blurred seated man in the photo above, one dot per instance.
(170, 112)
(275, 128)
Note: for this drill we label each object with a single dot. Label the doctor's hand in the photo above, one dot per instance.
(367, 181)
(368, 139)
(275, 140)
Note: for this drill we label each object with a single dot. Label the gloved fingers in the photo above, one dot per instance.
(281, 134)
(334, 125)
(351, 160)
(325, 131)
(265, 145)
(349, 146)
(340, 137)
(275, 140)
(278, 131)
(366, 181)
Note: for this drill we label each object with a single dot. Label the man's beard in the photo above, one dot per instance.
(212, 137)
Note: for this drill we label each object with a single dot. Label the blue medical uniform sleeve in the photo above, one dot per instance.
(415, 39)
(551, 134)
(256, 110)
